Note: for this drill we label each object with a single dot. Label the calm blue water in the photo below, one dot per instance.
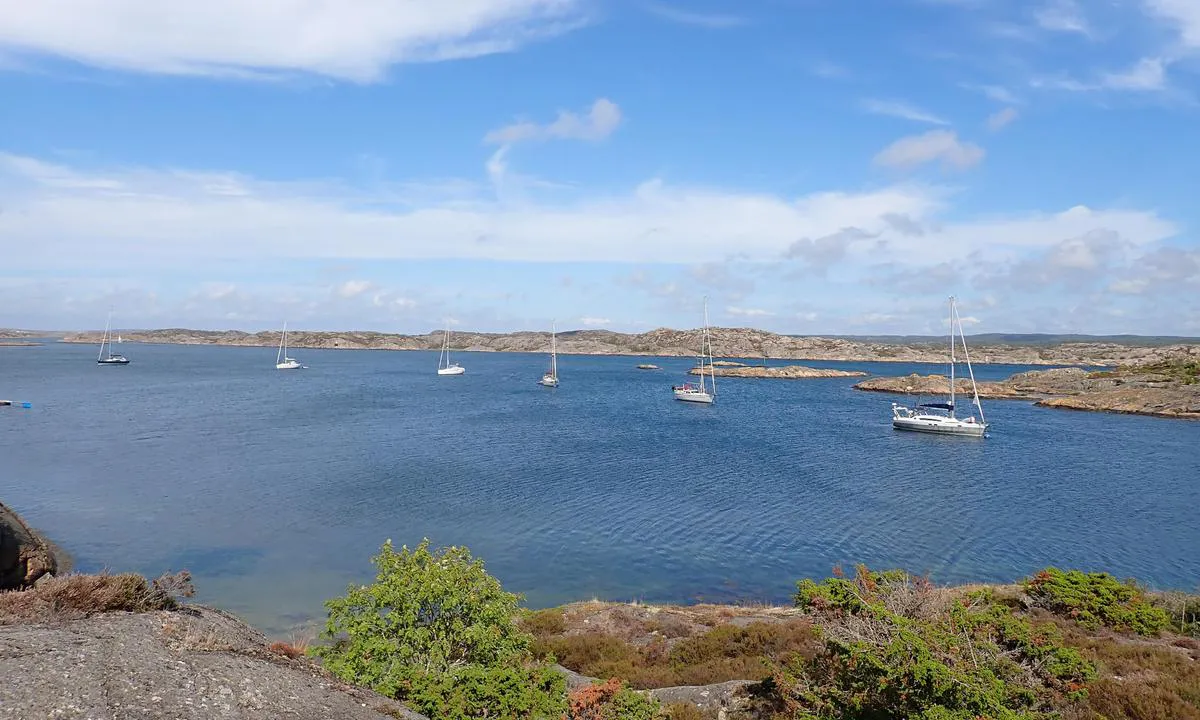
(275, 488)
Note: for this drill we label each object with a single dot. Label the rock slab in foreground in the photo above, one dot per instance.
(788, 372)
(193, 664)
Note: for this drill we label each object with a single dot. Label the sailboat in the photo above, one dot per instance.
(926, 417)
(550, 379)
(699, 393)
(445, 367)
(110, 359)
(282, 361)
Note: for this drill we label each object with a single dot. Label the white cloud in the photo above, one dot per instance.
(902, 110)
(697, 19)
(141, 220)
(748, 312)
(1184, 14)
(1001, 119)
(1062, 16)
(594, 321)
(1146, 75)
(355, 40)
(598, 123)
(1129, 287)
(934, 146)
(830, 70)
(998, 93)
(354, 288)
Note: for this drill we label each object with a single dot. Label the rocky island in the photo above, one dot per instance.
(1167, 388)
(664, 342)
(787, 372)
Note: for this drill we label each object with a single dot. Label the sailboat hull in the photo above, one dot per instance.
(118, 360)
(548, 381)
(939, 425)
(288, 365)
(452, 370)
(694, 396)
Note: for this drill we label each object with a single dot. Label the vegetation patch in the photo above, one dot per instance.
(896, 646)
(71, 597)
(1096, 599)
(726, 652)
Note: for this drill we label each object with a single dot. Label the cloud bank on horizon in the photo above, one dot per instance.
(385, 164)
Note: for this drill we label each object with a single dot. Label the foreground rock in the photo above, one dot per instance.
(1163, 389)
(788, 372)
(193, 663)
(24, 556)
(726, 342)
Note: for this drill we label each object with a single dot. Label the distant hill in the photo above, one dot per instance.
(727, 342)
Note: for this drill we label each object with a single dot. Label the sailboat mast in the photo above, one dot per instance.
(706, 347)
(554, 350)
(951, 356)
(970, 370)
(282, 342)
(104, 337)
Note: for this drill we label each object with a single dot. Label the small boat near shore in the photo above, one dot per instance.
(445, 367)
(940, 417)
(282, 361)
(550, 379)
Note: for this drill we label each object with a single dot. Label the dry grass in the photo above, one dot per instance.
(74, 596)
(727, 652)
(1140, 679)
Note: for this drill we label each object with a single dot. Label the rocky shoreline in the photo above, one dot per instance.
(664, 342)
(787, 372)
(1160, 390)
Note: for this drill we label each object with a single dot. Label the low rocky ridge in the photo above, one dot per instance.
(726, 342)
(788, 372)
(1164, 389)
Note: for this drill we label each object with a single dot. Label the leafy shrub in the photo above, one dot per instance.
(898, 647)
(437, 631)
(1095, 599)
(611, 700)
(544, 622)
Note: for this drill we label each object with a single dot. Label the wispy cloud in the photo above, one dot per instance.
(697, 19)
(1063, 16)
(830, 70)
(748, 312)
(1146, 75)
(600, 121)
(902, 110)
(1001, 119)
(1184, 14)
(594, 321)
(998, 93)
(934, 146)
(355, 41)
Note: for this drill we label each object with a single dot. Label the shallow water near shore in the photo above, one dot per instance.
(275, 488)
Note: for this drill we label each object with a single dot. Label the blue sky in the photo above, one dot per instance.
(813, 166)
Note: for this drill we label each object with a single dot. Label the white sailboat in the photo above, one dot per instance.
(106, 339)
(699, 393)
(445, 367)
(926, 418)
(282, 361)
(550, 379)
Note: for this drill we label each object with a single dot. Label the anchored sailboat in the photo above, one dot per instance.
(111, 358)
(926, 418)
(282, 361)
(699, 393)
(550, 379)
(445, 367)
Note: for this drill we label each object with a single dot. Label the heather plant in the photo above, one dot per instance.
(896, 646)
(1096, 599)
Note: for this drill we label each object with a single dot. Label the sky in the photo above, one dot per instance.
(811, 166)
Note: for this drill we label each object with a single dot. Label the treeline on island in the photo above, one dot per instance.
(435, 632)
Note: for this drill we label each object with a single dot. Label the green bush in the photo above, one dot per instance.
(898, 647)
(435, 630)
(1095, 599)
